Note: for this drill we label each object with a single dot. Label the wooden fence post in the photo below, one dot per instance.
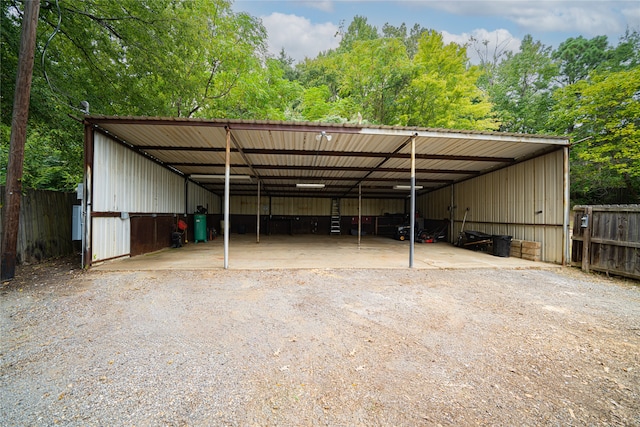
(586, 239)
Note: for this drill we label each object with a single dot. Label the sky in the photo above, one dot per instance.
(306, 28)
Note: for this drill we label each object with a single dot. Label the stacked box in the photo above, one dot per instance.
(516, 248)
(531, 250)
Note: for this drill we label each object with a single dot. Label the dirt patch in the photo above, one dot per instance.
(319, 347)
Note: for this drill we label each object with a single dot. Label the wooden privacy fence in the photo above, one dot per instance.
(45, 224)
(607, 239)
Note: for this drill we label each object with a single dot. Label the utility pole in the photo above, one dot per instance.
(18, 137)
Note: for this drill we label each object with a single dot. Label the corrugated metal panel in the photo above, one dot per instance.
(278, 145)
(371, 207)
(110, 238)
(199, 156)
(198, 196)
(435, 205)
(311, 206)
(523, 201)
(127, 182)
(248, 205)
(300, 206)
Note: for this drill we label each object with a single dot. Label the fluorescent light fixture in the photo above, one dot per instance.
(310, 185)
(406, 187)
(222, 177)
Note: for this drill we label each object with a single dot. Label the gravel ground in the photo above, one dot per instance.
(318, 347)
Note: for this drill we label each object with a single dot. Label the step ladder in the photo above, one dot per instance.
(335, 216)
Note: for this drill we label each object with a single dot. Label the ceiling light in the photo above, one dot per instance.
(406, 187)
(309, 185)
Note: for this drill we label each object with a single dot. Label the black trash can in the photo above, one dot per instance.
(502, 246)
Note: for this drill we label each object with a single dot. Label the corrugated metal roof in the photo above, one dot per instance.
(281, 154)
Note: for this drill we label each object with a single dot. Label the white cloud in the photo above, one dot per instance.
(586, 17)
(298, 36)
(487, 45)
(593, 20)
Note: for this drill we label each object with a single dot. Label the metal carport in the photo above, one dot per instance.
(141, 167)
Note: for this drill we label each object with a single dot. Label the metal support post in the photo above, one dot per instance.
(227, 168)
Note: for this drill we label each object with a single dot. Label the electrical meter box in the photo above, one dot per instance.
(76, 223)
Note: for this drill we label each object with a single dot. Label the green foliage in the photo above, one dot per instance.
(578, 57)
(410, 40)
(372, 75)
(377, 80)
(523, 87)
(315, 103)
(358, 30)
(603, 114)
(5, 132)
(626, 55)
(9, 47)
(133, 57)
(198, 58)
(443, 91)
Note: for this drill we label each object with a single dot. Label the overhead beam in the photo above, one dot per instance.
(335, 153)
(319, 194)
(248, 187)
(330, 168)
(244, 156)
(386, 159)
(340, 178)
(367, 169)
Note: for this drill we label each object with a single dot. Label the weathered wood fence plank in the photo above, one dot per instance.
(607, 239)
(45, 224)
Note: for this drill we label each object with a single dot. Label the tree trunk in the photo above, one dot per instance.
(18, 138)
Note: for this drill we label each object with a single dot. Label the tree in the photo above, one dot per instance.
(626, 55)
(410, 41)
(490, 55)
(578, 57)
(321, 71)
(131, 57)
(603, 113)
(443, 91)
(358, 30)
(286, 63)
(522, 91)
(372, 75)
(263, 94)
(188, 54)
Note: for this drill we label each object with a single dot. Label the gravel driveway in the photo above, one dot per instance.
(318, 347)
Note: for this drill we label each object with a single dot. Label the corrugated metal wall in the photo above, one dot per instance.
(125, 181)
(435, 205)
(198, 196)
(371, 207)
(523, 201)
(247, 205)
(110, 238)
(309, 206)
(300, 206)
